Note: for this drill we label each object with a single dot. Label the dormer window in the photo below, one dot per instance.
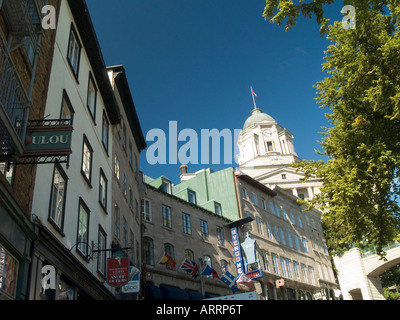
(218, 209)
(166, 186)
(192, 197)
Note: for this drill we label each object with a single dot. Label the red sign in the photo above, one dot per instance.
(117, 271)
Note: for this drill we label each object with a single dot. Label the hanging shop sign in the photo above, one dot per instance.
(48, 140)
(251, 258)
(133, 286)
(117, 270)
(280, 283)
(237, 254)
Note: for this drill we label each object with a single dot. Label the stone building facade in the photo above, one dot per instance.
(182, 229)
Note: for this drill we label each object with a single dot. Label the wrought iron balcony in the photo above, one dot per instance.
(23, 24)
(14, 104)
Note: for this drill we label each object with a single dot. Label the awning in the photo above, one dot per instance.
(194, 295)
(153, 293)
(173, 293)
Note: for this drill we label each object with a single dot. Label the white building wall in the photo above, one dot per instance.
(61, 78)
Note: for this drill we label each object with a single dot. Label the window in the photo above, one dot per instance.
(166, 186)
(275, 263)
(276, 234)
(259, 226)
(169, 250)
(269, 232)
(8, 170)
(303, 272)
(220, 236)
(83, 229)
(117, 220)
(204, 229)
(192, 196)
(265, 259)
(270, 146)
(189, 254)
(130, 197)
(263, 204)
(148, 251)
(74, 51)
(272, 208)
(130, 154)
(146, 210)
(277, 211)
(105, 131)
(305, 245)
(132, 246)
(288, 268)
(166, 216)
(299, 222)
(123, 134)
(187, 226)
(244, 193)
(283, 176)
(67, 112)
(290, 241)
(218, 209)
(285, 216)
(292, 218)
(249, 225)
(116, 167)
(311, 274)
(8, 274)
(282, 234)
(136, 209)
(254, 198)
(92, 97)
(124, 184)
(125, 231)
(57, 197)
(297, 242)
(224, 265)
(208, 262)
(87, 155)
(296, 269)
(103, 190)
(283, 266)
(101, 256)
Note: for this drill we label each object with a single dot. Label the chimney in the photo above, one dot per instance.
(184, 169)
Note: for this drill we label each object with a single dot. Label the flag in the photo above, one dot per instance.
(245, 280)
(191, 267)
(252, 92)
(230, 281)
(208, 271)
(168, 260)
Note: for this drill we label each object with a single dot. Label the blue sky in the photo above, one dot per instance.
(193, 61)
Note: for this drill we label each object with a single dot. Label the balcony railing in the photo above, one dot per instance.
(372, 250)
(14, 104)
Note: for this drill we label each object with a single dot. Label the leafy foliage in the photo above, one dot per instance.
(360, 196)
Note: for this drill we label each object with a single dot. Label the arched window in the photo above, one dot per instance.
(207, 261)
(169, 250)
(224, 265)
(148, 251)
(189, 254)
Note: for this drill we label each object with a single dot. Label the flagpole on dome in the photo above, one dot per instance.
(253, 94)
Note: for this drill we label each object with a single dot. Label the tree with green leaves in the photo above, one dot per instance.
(360, 194)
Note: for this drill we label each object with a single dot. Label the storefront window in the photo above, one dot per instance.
(8, 274)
